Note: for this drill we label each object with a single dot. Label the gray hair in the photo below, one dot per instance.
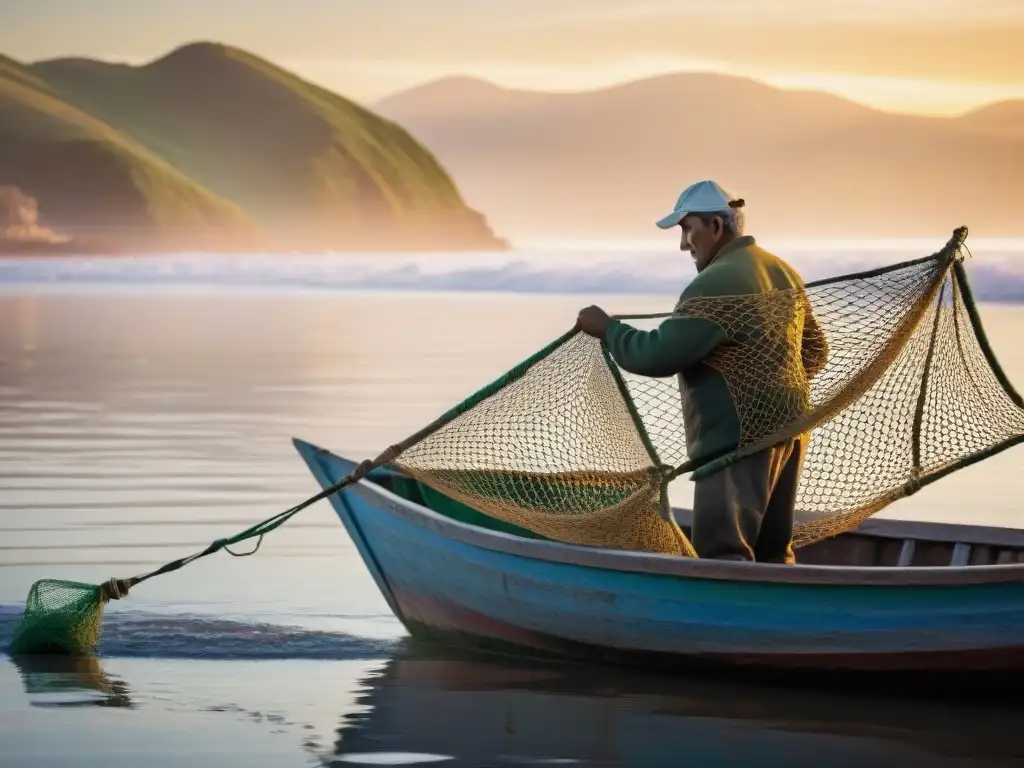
(733, 218)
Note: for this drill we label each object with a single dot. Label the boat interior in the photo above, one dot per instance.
(877, 542)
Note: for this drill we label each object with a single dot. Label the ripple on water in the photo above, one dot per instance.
(156, 636)
(390, 758)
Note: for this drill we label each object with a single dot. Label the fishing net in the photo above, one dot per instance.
(887, 372)
(60, 617)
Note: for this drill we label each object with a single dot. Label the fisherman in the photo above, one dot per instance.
(744, 511)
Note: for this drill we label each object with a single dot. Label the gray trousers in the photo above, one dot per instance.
(745, 511)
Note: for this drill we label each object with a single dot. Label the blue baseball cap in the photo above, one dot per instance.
(703, 197)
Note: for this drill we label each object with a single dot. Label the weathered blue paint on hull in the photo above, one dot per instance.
(436, 583)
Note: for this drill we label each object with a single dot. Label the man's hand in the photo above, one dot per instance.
(593, 321)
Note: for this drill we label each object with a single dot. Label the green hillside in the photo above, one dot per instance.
(92, 181)
(212, 147)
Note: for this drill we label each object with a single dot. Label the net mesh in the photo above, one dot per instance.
(940, 403)
(556, 451)
(61, 617)
(888, 372)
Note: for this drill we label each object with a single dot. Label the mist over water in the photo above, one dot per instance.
(996, 268)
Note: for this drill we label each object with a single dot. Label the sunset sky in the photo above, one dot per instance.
(929, 56)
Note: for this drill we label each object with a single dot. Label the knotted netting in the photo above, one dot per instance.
(888, 372)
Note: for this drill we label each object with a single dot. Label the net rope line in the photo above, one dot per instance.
(616, 440)
(361, 470)
(948, 257)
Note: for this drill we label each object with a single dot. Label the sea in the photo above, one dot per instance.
(147, 407)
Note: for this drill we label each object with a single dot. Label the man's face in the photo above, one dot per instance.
(700, 240)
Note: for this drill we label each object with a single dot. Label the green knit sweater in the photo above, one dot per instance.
(687, 345)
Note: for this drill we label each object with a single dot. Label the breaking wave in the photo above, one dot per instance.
(997, 271)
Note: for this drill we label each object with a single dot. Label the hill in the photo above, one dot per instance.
(88, 178)
(212, 148)
(607, 163)
(1004, 118)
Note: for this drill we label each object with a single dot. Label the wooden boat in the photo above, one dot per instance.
(888, 597)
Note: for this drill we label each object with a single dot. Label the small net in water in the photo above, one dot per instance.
(61, 617)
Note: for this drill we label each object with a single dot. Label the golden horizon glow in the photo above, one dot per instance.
(935, 98)
(932, 57)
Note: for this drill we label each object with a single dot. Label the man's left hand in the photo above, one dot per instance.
(593, 321)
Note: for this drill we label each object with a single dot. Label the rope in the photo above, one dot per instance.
(261, 529)
(116, 588)
(950, 254)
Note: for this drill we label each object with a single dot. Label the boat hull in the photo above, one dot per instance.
(476, 589)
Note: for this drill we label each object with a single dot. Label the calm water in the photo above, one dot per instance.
(136, 427)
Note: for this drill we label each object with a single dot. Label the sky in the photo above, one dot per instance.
(925, 56)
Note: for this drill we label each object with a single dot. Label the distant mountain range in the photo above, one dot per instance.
(607, 163)
(211, 148)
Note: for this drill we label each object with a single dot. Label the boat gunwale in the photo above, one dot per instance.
(919, 530)
(681, 567)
